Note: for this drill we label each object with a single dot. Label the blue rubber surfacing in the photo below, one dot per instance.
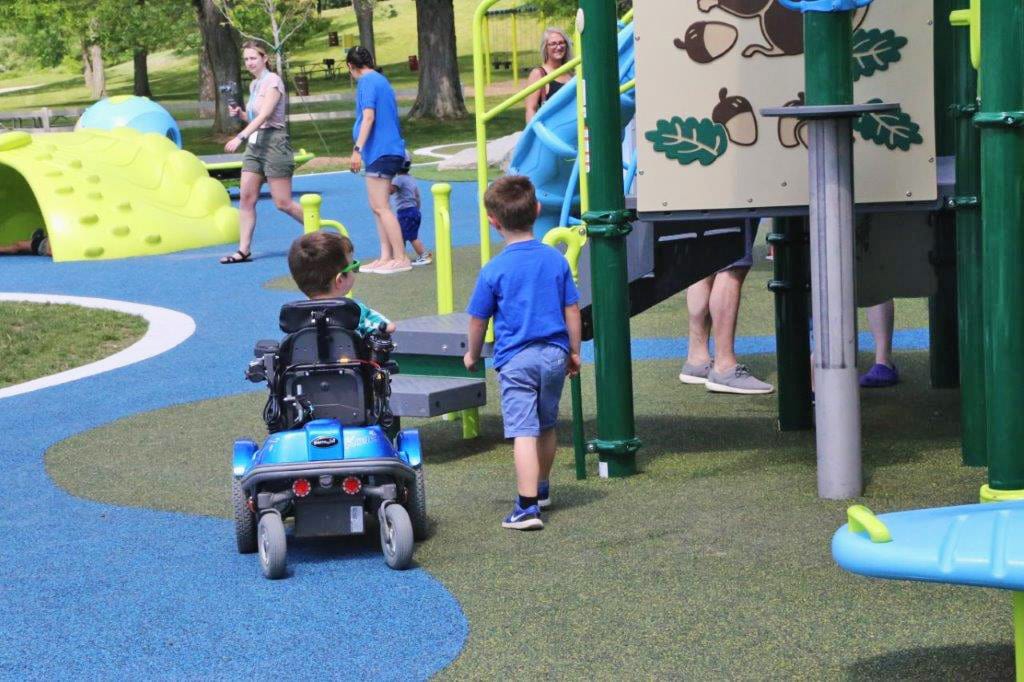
(95, 590)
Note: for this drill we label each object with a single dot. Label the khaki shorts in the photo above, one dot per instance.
(271, 155)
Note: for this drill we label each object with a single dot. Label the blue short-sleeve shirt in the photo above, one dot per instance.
(374, 92)
(525, 289)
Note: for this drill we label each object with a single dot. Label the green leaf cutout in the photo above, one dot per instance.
(892, 129)
(874, 50)
(690, 140)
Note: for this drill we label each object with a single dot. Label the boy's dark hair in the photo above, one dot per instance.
(512, 200)
(315, 259)
(359, 57)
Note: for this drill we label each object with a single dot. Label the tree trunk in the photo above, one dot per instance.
(98, 81)
(87, 67)
(142, 73)
(440, 89)
(221, 46)
(207, 86)
(364, 19)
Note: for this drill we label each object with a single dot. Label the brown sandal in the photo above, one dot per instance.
(236, 257)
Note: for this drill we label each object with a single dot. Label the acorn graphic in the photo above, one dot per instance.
(792, 130)
(706, 41)
(737, 115)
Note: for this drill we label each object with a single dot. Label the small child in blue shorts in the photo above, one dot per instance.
(528, 290)
(406, 198)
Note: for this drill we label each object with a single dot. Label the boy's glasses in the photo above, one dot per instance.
(351, 267)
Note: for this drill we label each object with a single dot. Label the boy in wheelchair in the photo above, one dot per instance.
(322, 266)
(334, 451)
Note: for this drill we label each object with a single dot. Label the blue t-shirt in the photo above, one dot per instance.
(524, 289)
(406, 193)
(374, 92)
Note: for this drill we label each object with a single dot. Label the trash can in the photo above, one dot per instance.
(332, 39)
(414, 63)
(302, 84)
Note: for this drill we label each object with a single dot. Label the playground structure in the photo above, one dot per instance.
(103, 195)
(507, 33)
(130, 111)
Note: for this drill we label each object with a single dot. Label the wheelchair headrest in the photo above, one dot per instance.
(339, 312)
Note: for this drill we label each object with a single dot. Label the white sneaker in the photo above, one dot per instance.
(425, 259)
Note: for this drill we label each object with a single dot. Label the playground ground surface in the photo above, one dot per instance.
(712, 563)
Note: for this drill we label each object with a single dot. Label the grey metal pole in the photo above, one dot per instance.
(833, 305)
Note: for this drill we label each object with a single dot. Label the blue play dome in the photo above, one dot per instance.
(130, 111)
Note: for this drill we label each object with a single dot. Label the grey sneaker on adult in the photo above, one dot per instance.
(695, 374)
(737, 380)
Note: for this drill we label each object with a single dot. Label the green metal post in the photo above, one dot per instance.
(942, 306)
(578, 445)
(829, 72)
(792, 334)
(1002, 208)
(608, 224)
(968, 248)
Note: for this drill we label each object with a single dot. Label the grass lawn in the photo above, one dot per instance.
(41, 339)
(712, 563)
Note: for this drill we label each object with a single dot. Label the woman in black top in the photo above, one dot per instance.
(555, 50)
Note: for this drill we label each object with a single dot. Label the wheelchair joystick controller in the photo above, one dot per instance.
(381, 344)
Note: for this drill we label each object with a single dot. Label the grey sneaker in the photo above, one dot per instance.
(426, 259)
(737, 380)
(695, 374)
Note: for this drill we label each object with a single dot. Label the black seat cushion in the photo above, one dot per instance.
(341, 312)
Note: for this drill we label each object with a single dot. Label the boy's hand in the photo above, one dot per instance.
(390, 329)
(470, 360)
(572, 366)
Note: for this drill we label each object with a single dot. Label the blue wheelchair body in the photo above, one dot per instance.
(335, 454)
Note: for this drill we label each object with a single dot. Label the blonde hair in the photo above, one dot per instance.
(261, 48)
(548, 32)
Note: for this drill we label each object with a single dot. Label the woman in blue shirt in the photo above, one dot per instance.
(379, 148)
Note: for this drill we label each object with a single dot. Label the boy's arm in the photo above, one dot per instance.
(477, 329)
(370, 320)
(573, 325)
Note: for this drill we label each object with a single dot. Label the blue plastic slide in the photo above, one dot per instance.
(546, 152)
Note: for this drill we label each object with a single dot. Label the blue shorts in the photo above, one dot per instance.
(385, 166)
(409, 220)
(531, 386)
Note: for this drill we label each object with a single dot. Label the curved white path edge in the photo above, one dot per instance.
(167, 329)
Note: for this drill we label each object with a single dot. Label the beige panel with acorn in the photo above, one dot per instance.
(707, 67)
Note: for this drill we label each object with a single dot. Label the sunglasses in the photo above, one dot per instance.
(351, 267)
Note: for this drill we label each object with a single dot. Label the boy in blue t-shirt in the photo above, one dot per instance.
(528, 290)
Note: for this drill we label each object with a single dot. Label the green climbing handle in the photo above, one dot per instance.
(863, 520)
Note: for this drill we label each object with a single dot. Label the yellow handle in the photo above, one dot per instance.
(574, 238)
(971, 18)
(863, 520)
(335, 224)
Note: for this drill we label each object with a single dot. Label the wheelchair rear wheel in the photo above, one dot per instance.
(245, 520)
(417, 506)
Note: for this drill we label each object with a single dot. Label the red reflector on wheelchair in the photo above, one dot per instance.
(301, 487)
(352, 485)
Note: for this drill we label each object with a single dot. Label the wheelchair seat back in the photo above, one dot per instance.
(320, 363)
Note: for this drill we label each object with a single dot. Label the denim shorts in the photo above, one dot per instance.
(386, 166)
(531, 386)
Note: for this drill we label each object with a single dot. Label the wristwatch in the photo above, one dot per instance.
(241, 137)
(357, 149)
